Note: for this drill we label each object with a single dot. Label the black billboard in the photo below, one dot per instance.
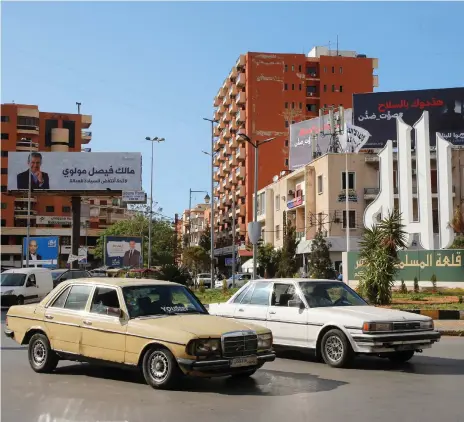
(377, 112)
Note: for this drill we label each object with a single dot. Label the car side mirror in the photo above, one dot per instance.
(296, 304)
(116, 312)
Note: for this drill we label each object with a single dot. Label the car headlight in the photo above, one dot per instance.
(427, 325)
(374, 327)
(8, 292)
(264, 341)
(205, 347)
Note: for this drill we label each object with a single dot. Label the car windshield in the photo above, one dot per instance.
(320, 294)
(161, 300)
(12, 279)
(56, 274)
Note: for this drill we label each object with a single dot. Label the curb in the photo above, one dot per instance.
(438, 314)
(451, 333)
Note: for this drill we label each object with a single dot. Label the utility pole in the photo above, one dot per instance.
(233, 238)
(28, 225)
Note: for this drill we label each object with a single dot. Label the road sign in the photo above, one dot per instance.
(254, 232)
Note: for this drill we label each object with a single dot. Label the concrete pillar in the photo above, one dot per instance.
(60, 140)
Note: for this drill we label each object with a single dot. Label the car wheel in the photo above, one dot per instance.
(245, 374)
(336, 349)
(20, 300)
(41, 356)
(401, 357)
(160, 369)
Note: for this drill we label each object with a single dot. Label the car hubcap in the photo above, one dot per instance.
(159, 366)
(334, 348)
(39, 353)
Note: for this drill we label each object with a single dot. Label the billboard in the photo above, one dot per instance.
(123, 251)
(75, 171)
(302, 149)
(42, 251)
(134, 197)
(377, 112)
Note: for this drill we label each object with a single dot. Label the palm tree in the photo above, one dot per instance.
(393, 235)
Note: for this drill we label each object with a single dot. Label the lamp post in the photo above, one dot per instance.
(212, 121)
(255, 145)
(28, 225)
(152, 140)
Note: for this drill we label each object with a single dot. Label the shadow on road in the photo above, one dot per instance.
(419, 364)
(263, 383)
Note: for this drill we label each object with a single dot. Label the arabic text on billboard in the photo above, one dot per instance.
(75, 171)
(42, 251)
(134, 197)
(123, 251)
(377, 113)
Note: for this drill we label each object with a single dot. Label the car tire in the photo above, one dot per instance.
(160, 369)
(41, 356)
(244, 374)
(336, 349)
(401, 357)
(20, 300)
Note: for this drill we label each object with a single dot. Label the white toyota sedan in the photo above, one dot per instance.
(330, 318)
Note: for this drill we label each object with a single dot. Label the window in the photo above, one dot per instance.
(283, 293)
(277, 232)
(293, 87)
(5, 136)
(286, 123)
(293, 122)
(341, 69)
(3, 222)
(300, 87)
(325, 69)
(293, 68)
(311, 89)
(277, 202)
(320, 294)
(351, 180)
(286, 162)
(299, 68)
(333, 69)
(103, 299)
(286, 105)
(333, 88)
(341, 88)
(286, 87)
(352, 219)
(301, 106)
(286, 142)
(320, 185)
(4, 171)
(286, 67)
(325, 88)
(31, 281)
(5, 119)
(247, 296)
(4, 204)
(3, 188)
(61, 299)
(293, 105)
(49, 208)
(312, 108)
(4, 153)
(66, 209)
(260, 294)
(77, 298)
(240, 296)
(311, 71)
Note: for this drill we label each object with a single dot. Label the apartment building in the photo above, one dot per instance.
(25, 127)
(313, 198)
(194, 223)
(262, 96)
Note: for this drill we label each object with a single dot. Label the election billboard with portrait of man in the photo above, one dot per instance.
(123, 251)
(41, 251)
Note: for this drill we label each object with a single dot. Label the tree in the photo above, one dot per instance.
(287, 263)
(457, 223)
(195, 258)
(268, 259)
(163, 234)
(205, 239)
(320, 265)
(173, 273)
(379, 252)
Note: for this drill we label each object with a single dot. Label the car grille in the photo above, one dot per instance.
(406, 326)
(242, 343)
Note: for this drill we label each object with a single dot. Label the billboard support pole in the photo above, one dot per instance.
(76, 227)
(28, 224)
(233, 238)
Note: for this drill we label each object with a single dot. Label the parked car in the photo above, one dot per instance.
(330, 318)
(25, 285)
(205, 278)
(64, 274)
(240, 280)
(158, 326)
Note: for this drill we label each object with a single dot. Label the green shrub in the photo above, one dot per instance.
(224, 286)
(434, 283)
(460, 300)
(403, 288)
(201, 287)
(416, 285)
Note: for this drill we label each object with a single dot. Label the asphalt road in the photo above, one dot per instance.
(429, 388)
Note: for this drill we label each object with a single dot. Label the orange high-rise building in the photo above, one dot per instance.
(262, 96)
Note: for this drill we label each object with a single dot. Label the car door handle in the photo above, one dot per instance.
(87, 322)
(272, 312)
(48, 317)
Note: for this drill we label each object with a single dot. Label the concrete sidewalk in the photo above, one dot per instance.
(450, 327)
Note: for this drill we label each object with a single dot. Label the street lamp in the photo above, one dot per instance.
(152, 140)
(255, 145)
(212, 121)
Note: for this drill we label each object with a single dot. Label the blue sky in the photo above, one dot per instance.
(152, 69)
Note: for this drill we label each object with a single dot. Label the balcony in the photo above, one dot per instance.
(86, 120)
(233, 91)
(375, 81)
(233, 74)
(240, 117)
(241, 210)
(217, 146)
(226, 168)
(312, 93)
(28, 129)
(240, 64)
(27, 145)
(240, 172)
(216, 158)
(241, 191)
(216, 176)
(240, 154)
(226, 117)
(221, 93)
(21, 213)
(240, 80)
(226, 101)
(86, 136)
(216, 101)
(371, 193)
(221, 110)
(227, 134)
(240, 98)
(217, 115)
(216, 131)
(12, 249)
(25, 200)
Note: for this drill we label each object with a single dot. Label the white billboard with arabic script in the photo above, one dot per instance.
(75, 171)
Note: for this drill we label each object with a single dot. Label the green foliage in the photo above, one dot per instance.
(173, 273)
(403, 288)
(434, 283)
(224, 286)
(379, 252)
(201, 287)
(287, 262)
(320, 265)
(460, 300)
(195, 258)
(268, 259)
(205, 239)
(458, 242)
(163, 238)
(416, 285)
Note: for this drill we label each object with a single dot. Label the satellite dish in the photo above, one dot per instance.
(275, 178)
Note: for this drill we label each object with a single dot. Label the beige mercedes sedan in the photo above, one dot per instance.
(158, 326)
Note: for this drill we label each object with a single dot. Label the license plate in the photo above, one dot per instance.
(405, 347)
(245, 361)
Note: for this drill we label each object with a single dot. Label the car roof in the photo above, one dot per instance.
(123, 282)
(27, 270)
(311, 280)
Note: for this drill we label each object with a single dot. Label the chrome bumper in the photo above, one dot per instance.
(395, 342)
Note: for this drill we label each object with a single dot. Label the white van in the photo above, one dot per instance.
(25, 285)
